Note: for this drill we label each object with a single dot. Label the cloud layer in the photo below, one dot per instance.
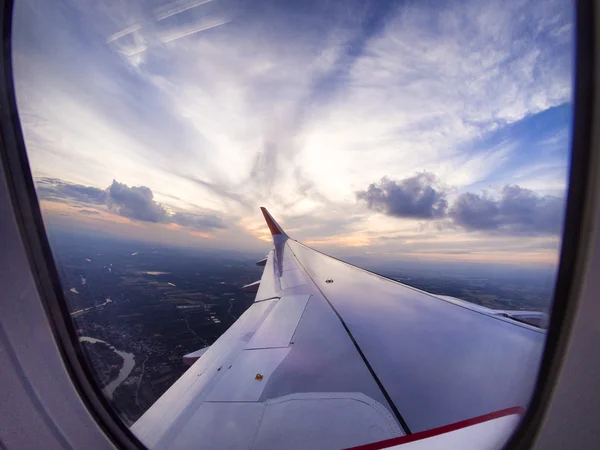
(55, 189)
(269, 102)
(208, 110)
(517, 211)
(135, 202)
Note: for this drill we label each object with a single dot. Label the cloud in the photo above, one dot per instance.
(55, 189)
(135, 202)
(413, 197)
(517, 211)
(475, 212)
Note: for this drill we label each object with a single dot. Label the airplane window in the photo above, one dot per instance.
(411, 162)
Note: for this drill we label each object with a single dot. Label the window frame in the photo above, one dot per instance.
(574, 250)
(28, 217)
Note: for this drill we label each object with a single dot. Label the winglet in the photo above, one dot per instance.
(274, 227)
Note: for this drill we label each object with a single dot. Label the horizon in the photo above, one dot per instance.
(61, 239)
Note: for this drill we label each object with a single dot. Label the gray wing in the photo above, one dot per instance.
(332, 356)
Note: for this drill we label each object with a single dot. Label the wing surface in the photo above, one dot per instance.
(440, 362)
(332, 356)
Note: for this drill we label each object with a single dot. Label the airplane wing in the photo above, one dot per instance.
(333, 356)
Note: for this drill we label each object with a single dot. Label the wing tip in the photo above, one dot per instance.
(274, 227)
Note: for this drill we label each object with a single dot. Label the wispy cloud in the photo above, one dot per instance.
(177, 7)
(225, 106)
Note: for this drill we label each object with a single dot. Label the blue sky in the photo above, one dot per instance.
(366, 127)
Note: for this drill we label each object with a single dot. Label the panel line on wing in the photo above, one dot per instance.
(265, 299)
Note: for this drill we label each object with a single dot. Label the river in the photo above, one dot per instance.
(128, 364)
(81, 311)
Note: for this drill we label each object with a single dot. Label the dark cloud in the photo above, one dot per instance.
(517, 211)
(413, 197)
(136, 202)
(89, 212)
(54, 189)
(475, 212)
(199, 221)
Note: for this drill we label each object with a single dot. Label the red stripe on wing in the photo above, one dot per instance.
(440, 430)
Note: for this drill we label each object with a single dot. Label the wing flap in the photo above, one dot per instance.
(279, 326)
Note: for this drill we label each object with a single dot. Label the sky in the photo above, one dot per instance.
(392, 130)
